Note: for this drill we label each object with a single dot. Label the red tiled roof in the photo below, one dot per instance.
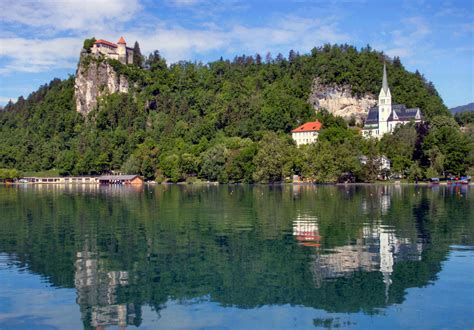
(121, 41)
(310, 126)
(105, 42)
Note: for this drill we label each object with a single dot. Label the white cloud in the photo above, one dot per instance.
(177, 43)
(107, 19)
(34, 55)
(408, 41)
(82, 15)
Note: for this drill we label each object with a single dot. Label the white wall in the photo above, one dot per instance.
(304, 137)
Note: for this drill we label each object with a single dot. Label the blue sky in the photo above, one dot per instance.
(40, 40)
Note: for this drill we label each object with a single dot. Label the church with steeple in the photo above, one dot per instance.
(384, 117)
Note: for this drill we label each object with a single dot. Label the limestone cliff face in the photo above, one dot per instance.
(95, 78)
(339, 100)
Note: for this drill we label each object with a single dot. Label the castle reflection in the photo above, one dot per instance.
(97, 292)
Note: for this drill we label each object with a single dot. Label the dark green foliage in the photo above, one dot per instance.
(7, 174)
(88, 43)
(329, 120)
(137, 55)
(271, 158)
(464, 118)
(447, 146)
(37, 133)
(222, 121)
(400, 148)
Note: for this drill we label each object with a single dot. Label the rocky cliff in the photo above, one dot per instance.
(339, 100)
(95, 77)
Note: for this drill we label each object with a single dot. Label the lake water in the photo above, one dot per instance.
(236, 257)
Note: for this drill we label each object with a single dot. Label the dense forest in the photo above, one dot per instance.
(229, 121)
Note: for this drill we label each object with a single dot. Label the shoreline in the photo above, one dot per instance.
(426, 184)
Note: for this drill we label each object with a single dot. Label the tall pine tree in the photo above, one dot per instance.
(137, 55)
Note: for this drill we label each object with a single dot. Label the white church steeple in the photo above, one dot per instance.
(385, 117)
(385, 103)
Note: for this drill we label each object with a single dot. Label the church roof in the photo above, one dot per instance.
(105, 42)
(308, 127)
(401, 113)
(121, 41)
(373, 116)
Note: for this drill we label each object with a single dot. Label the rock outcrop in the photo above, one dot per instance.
(95, 77)
(339, 101)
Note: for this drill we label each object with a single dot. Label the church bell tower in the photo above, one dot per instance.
(385, 104)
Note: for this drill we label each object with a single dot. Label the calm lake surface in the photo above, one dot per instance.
(236, 257)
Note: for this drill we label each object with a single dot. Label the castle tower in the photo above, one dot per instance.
(122, 50)
(385, 104)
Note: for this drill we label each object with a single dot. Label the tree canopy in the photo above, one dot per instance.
(226, 120)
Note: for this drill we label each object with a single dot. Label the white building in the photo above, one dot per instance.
(118, 51)
(306, 133)
(385, 117)
(383, 162)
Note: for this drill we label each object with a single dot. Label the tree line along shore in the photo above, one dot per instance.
(229, 121)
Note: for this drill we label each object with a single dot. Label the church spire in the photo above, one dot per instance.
(384, 79)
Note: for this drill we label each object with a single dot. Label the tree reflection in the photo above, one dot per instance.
(337, 248)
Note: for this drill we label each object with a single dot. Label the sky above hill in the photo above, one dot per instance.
(41, 40)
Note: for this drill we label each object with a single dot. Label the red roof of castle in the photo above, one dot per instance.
(121, 41)
(308, 127)
(105, 42)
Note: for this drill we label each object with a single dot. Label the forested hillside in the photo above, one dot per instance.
(230, 121)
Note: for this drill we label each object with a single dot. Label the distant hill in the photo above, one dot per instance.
(462, 108)
(190, 119)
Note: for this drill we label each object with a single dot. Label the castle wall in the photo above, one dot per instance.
(129, 56)
(120, 53)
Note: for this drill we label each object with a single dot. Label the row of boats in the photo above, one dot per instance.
(461, 180)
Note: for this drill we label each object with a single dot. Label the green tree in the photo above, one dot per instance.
(88, 43)
(171, 168)
(213, 163)
(399, 147)
(7, 174)
(447, 146)
(137, 55)
(331, 161)
(270, 159)
(143, 160)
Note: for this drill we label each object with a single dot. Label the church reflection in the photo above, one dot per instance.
(376, 247)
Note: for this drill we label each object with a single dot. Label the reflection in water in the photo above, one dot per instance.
(375, 249)
(306, 231)
(97, 292)
(338, 249)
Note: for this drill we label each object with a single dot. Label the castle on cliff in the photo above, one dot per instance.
(118, 51)
(385, 117)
